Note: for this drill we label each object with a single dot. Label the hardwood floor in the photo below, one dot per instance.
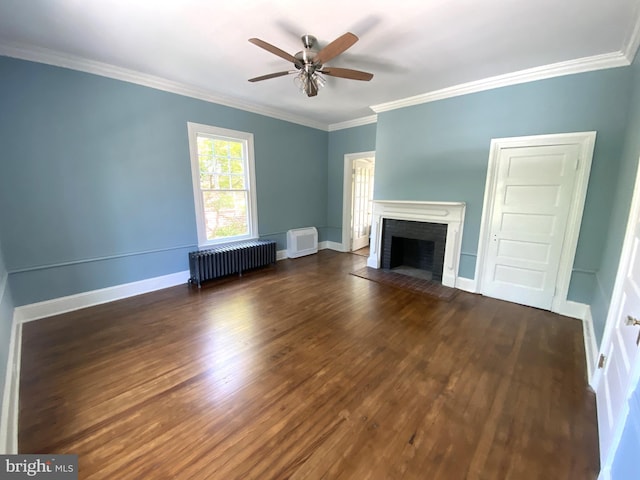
(364, 251)
(303, 371)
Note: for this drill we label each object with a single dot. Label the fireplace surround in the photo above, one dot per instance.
(450, 214)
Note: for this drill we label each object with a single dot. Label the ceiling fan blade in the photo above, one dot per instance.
(270, 75)
(335, 48)
(275, 50)
(347, 73)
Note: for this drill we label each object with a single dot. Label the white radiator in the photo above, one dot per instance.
(302, 241)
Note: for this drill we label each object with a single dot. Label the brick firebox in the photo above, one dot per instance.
(414, 244)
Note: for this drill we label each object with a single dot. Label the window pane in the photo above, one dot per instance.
(237, 182)
(206, 181)
(205, 146)
(225, 214)
(206, 164)
(222, 165)
(222, 181)
(235, 150)
(237, 166)
(220, 148)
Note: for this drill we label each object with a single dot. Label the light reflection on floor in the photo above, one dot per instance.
(230, 355)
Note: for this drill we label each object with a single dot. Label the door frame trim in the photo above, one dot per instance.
(347, 194)
(586, 142)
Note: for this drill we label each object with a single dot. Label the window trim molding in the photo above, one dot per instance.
(193, 130)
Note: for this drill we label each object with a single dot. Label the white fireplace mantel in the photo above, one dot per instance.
(449, 213)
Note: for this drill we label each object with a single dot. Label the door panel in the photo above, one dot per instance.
(531, 164)
(545, 195)
(525, 224)
(519, 276)
(535, 252)
(529, 214)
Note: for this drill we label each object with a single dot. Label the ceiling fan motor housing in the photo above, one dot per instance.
(305, 57)
(309, 41)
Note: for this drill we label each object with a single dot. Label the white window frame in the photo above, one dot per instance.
(252, 209)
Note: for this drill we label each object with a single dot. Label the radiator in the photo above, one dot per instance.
(302, 241)
(228, 259)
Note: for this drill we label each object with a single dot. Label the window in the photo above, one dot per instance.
(222, 167)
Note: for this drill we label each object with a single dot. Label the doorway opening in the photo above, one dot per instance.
(358, 202)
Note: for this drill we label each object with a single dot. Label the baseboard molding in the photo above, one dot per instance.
(573, 309)
(605, 474)
(56, 306)
(9, 414)
(582, 311)
(590, 348)
(331, 246)
(466, 284)
(326, 245)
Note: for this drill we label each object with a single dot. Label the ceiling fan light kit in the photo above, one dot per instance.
(309, 63)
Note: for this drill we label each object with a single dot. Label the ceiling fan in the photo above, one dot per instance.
(309, 62)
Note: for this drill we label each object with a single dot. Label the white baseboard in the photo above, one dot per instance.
(331, 246)
(582, 311)
(590, 348)
(466, 284)
(573, 309)
(605, 473)
(9, 413)
(56, 306)
(326, 245)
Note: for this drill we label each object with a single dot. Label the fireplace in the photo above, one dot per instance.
(425, 231)
(410, 246)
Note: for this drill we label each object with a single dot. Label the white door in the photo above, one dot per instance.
(362, 199)
(624, 460)
(619, 352)
(534, 189)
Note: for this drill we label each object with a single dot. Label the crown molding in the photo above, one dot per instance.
(633, 42)
(356, 122)
(57, 59)
(580, 65)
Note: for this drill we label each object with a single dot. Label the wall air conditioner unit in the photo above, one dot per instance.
(302, 241)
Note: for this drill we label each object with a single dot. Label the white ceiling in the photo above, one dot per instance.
(411, 46)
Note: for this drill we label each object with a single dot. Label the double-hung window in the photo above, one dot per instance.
(222, 168)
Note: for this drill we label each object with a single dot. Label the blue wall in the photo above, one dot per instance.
(342, 142)
(95, 179)
(622, 193)
(6, 318)
(440, 150)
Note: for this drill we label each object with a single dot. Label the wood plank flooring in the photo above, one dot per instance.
(302, 371)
